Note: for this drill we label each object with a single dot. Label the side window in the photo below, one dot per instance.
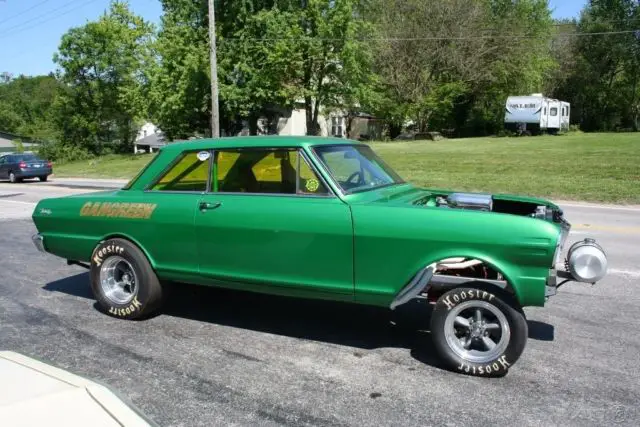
(554, 112)
(265, 171)
(190, 173)
(309, 181)
(274, 172)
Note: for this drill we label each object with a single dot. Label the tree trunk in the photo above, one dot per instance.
(253, 124)
(311, 115)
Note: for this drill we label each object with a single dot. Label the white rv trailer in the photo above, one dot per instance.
(535, 114)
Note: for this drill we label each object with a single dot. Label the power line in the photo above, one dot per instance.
(37, 24)
(40, 16)
(435, 38)
(23, 12)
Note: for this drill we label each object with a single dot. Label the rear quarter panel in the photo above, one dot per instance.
(161, 224)
(392, 243)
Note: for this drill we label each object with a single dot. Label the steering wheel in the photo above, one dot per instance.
(357, 174)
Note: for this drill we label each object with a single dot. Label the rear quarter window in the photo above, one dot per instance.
(139, 174)
(189, 173)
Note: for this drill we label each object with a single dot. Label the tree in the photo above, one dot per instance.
(26, 106)
(452, 63)
(180, 95)
(272, 53)
(332, 63)
(604, 87)
(103, 69)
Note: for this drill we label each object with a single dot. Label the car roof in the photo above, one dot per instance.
(255, 142)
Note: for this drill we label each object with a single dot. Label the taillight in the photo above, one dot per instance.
(22, 165)
(49, 164)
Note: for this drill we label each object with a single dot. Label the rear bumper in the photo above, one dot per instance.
(38, 241)
(33, 172)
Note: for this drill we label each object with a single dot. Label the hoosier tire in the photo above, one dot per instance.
(123, 281)
(477, 333)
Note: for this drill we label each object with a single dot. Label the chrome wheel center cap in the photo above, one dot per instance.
(477, 329)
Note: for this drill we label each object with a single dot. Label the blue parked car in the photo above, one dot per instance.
(16, 167)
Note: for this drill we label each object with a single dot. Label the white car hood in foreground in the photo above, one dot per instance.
(33, 393)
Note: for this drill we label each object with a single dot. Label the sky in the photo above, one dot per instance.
(30, 30)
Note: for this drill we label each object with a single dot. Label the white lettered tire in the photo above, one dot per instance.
(123, 281)
(476, 332)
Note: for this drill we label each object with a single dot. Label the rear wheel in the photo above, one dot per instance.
(123, 281)
(477, 332)
(13, 178)
(42, 178)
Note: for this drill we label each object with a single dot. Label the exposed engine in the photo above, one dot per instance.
(487, 203)
(479, 202)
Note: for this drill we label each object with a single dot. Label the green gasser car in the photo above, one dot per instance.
(321, 218)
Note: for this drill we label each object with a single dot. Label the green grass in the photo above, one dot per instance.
(590, 167)
(113, 166)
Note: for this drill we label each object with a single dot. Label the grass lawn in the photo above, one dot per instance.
(590, 167)
(111, 166)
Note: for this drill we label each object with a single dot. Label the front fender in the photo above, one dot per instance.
(393, 243)
(526, 291)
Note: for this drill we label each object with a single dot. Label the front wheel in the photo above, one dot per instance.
(476, 332)
(123, 281)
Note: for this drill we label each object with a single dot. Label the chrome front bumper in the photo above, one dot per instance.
(38, 240)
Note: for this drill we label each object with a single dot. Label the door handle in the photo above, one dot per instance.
(206, 206)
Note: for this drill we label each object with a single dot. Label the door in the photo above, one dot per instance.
(171, 238)
(554, 115)
(271, 222)
(3, 167)
(544, 114)
(564, 120)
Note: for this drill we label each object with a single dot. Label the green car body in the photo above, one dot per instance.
(363, 247)
(321, 218)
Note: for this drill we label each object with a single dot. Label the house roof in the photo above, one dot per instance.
(153, 140)
(256, 142)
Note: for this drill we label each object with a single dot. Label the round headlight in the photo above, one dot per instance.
(586, 261)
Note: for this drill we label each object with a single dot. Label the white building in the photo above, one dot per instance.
(148, 139)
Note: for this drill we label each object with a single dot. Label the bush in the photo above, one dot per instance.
(505, 133)
(62, 152)
(19, 145)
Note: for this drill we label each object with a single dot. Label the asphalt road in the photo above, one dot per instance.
(219, 357)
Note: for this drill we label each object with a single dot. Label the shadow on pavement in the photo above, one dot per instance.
(77, 285)
(541, 331)
(358, 326)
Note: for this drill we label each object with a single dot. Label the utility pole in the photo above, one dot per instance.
(213, 59)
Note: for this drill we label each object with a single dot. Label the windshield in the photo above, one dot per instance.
(26, 158)
(356, 167)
